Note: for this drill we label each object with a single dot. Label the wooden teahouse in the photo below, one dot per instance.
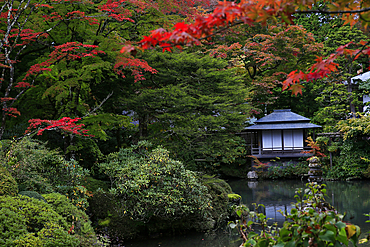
(280, 134)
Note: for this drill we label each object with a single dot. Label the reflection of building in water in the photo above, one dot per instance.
(272, 212)
(275, 195)
(274, 199)
(352, 198)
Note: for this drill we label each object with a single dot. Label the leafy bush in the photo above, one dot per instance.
(8, 185)
(28, 161)
(70, 179)
(26, 221)
(354, 150)
(219, 191)
(312, 222)
(75, 217)
(351, 162)
(39, 169)
(150, 193)
(151, 184)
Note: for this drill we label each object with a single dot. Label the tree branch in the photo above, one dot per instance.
(106, 98)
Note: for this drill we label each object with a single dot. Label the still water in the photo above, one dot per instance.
(352, 198)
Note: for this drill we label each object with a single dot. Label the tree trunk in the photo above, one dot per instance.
(143, 126)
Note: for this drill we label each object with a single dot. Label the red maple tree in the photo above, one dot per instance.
(26, 23)
(228, 14)
(65, 124)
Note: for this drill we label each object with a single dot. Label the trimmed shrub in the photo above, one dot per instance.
(8, 185)
(26, 221)
(76, 218)
(218, 190)
(288, 170)
(150, 183)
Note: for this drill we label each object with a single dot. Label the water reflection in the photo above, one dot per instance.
(274, 195)
(350, 197)
(216, 239)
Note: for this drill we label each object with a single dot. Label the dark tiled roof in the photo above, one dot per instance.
(280, 126)
(284, 115)
(282, 119)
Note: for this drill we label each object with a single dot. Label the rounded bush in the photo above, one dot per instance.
(152, 193)
(75, 217)
(26, 221)
(218, 190)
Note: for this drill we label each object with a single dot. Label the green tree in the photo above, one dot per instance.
(193, 106)
(334, 102)
(265, 57)
(332, 33)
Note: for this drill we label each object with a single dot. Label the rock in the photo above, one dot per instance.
(252, 175)
(314, 159)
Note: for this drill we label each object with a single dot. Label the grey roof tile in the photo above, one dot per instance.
(283, 119)
(284, 115)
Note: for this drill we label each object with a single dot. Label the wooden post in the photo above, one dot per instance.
(259, 142)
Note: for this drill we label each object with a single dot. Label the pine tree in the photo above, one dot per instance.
(194, 106)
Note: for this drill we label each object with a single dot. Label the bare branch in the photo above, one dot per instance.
(96, 108)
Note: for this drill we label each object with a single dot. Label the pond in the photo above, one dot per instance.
(351, 197)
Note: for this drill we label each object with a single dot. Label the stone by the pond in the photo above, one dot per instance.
(315, 172)
(252, 175)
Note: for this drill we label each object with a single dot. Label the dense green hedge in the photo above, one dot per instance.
(32, 194)
(26, 221)
(74, 216)
(36, 168)
(8, 185)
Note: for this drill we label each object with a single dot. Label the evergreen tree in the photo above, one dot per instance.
(193, 106)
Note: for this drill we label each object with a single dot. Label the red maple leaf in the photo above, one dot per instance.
(296, 89)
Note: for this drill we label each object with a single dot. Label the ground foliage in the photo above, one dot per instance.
(8, 184)
(78, 221)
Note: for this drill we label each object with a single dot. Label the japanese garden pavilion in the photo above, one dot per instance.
(280, 134)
